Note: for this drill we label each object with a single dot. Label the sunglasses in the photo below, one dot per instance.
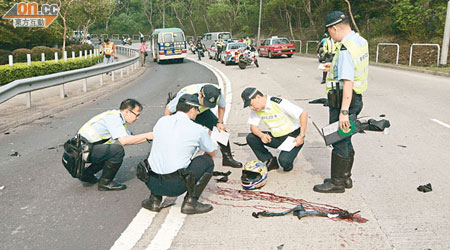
(137, 115)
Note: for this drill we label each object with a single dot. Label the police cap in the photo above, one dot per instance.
(334, 18)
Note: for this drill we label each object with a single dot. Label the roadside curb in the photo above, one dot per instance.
(112, 87)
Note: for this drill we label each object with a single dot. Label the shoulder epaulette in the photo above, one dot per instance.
(276, 99)
(343, 47)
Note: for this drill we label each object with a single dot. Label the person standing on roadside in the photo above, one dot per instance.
(348, 78)
(109, 51)
(199, 48)
(143, 52)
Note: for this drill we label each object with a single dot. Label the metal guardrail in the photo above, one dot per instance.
(307, 44)
(424, 44)
(299, 41)
(28, 85)
(387, 44)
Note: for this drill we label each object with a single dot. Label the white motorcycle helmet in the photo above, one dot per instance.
(254, 175)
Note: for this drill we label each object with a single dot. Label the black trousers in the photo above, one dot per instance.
(101, 153)
(344, 147)
(286, 159)
(175, 186)
(207, 119)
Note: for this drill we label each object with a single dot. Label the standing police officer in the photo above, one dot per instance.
(349, 72)
(108, 133)
(208, 96)
(329, 50)
(283, 119)
(177, 138)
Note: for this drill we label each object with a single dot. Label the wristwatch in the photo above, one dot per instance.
(221, 122)
(344, 112)
(303, 136)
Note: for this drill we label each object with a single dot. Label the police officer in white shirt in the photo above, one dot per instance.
(108, 134)
(176, 139)
(283, 119)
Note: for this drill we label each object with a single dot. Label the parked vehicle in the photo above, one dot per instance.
(231, 53)
(276, 46)
(209, 38)
(212, 51)
(247, 58)
(168, 44)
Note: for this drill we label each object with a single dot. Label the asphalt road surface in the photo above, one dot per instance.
(43, 207)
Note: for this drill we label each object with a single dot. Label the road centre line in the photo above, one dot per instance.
(175, 219)
(441, 123)
(135, 230)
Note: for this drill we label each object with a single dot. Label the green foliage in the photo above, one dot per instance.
(20, 55)
(22, 70)
(4, 56)
(38, 50)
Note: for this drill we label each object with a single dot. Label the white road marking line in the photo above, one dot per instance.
(135, 230)
(441, 123)
(169, 229)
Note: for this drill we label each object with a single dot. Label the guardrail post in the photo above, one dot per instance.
(56, 56)
(112, 76)
(85, 54)
(42, 57)
(65, 56)
(73, 55)
(28, 99)
(81, 54)
(90, 53)
(128, 72)
(121, 73)
(101, 79)
(10, 59)
(28, 59)
(62, 92)
(85, 85)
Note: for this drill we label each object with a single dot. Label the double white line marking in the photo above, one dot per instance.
(175, 219)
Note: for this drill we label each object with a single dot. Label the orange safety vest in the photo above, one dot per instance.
(109, 48)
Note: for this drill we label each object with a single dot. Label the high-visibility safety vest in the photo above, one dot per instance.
(360, 56)
(192, 89)
(109, 48)
(278, 123)
(329, 46)
(88, 131)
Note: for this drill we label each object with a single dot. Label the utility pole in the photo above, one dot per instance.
(445, 40)
(259, 24)
(164, 14)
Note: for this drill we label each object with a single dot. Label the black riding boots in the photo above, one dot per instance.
(348, 183)
(153, 203)
(89, 174)
(227, 157)
(191, 205)
(272, 164)
(338, 169)
(106, 182)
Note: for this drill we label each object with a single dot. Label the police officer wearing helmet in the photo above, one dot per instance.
(174, 171)
(283, 118)
(349, 72)
(208, 95)
(108, 133)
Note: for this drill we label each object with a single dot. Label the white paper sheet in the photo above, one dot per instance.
(288, 144)
(220, 136)
(321, 66)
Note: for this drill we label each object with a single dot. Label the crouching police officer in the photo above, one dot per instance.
(347, 79)
(283, 119)
(173, 172)
(103, 131)
(208, 96)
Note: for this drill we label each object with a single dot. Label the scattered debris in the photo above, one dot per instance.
(15, 154)
(425, 188)
(224, 178)
(382, 115)
(263, 73)
(7, 133)
(323, 101)
(280, 247)
(402, 146)
(2, 187)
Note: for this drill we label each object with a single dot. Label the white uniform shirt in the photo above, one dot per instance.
(289, 109)
(176, 137)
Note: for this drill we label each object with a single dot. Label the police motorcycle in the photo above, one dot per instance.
(247, 57)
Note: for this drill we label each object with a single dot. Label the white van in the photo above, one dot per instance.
(209, 38)
(168, 44)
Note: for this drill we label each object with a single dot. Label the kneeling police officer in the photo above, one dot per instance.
(173, 171)
(208, 95)
(107, 132)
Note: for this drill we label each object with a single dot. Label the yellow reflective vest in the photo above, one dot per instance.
(193, 89)
(276, 120)
(360, 56)
(89, 132)
(329, 46)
